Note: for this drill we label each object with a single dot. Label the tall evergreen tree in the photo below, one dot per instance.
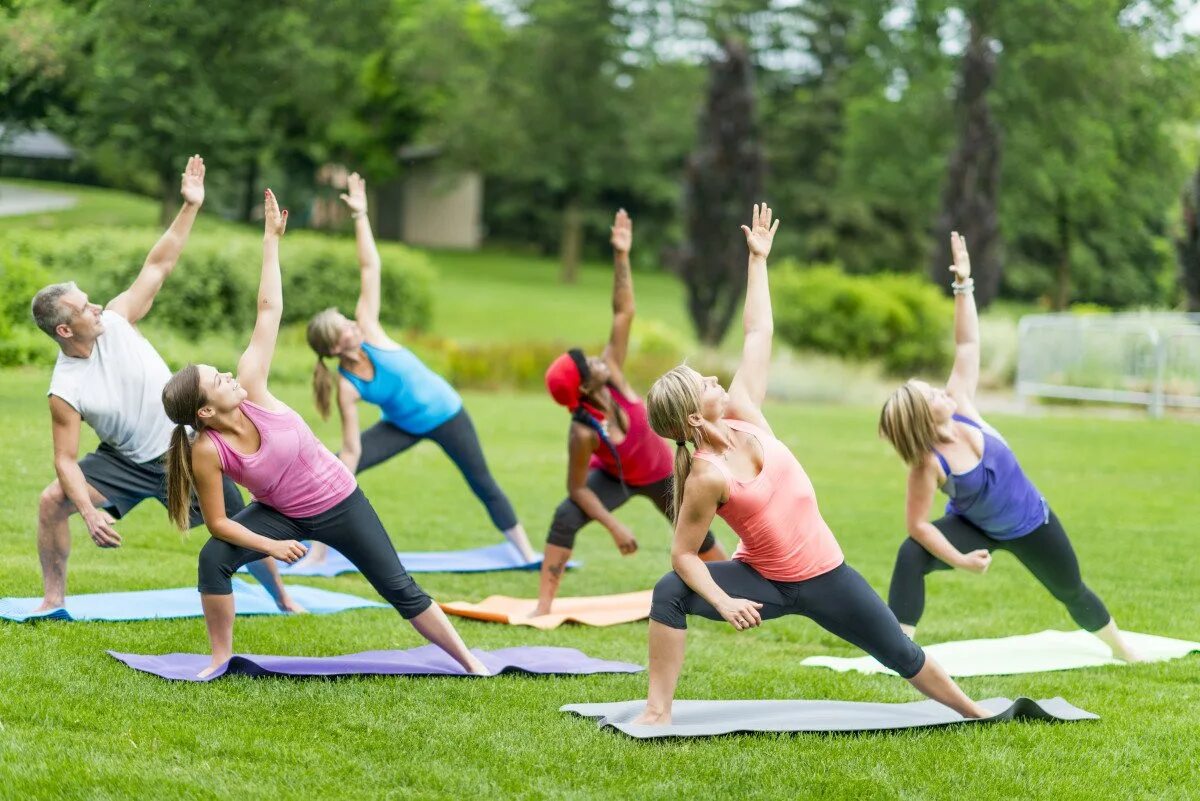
(723, 178)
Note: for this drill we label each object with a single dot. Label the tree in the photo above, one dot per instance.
(723, 178)
(971, 195)
(1187, 244)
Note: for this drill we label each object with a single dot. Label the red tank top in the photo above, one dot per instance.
(775, 514)
(645, 456)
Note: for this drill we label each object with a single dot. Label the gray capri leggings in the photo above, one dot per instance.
(569, 517)
(839, 601)
(351, 527)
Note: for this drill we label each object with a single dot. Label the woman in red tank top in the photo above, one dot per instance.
(612, 452)
(788, 561)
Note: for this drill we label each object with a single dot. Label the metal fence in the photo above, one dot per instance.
(1151, 359)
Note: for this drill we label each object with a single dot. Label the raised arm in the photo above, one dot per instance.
(366, 312)
(964, 377)
(255, 364)
(134, 303)
(351, 450)
(622, 298)
(749, 385)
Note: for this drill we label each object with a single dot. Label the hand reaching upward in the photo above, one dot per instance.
(191, 186)
(274, 220)
(622, 232)
(761, 232)
(355, 196)
(962, 260)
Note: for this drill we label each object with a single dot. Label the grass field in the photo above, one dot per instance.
(76, 724)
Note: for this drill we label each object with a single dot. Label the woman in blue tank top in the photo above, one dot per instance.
(416, 402)
(992, 504)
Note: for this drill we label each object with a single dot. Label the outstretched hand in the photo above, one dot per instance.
(274, 220)
(622, 232)
(355, 196)
(962, 260)
(191, 186)
(761, 232)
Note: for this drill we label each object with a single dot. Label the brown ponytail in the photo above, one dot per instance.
(322, 335)
(180, 482)
(182, 398)
(674, 397)
(324, 383)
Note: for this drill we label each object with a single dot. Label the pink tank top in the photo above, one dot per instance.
(291, 471)
(646, 457)
(775, 515)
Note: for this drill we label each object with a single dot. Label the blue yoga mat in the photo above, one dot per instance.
(249, 599)
(502, 556)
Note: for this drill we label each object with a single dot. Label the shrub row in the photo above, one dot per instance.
(901, 320)
(213, 287)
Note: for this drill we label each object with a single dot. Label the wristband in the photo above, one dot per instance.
(966, 287)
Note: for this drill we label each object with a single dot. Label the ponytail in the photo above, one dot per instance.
(683, 469)
(180, 482)
(585, 417)
(324, 383)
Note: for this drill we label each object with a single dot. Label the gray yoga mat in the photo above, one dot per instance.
(711, 718)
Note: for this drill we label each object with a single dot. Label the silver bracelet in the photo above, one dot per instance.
(963, 288)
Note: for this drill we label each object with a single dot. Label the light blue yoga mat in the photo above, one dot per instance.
(502, 556)
(249, 599)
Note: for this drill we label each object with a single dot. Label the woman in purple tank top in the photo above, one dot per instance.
(302, 491)
(992, 504)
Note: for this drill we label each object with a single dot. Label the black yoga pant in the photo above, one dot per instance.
(569, 517)
(458, 439)
(351, 527)
(840, 601)
(1046, 551)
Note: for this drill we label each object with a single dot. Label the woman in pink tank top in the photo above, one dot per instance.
(612, 453)
(788, 561)
(301, 490)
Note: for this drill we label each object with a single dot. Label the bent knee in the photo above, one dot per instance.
(912, 554)
(216, 568)
(53, 499)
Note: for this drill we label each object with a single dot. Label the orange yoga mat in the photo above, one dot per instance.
(595, 610)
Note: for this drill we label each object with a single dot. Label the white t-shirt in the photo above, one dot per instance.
(118, 390)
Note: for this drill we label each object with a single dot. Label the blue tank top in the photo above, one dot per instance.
(995, 495)
(413, 397)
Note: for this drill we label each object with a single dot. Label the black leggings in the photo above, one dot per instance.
(569, 517)
(840, 601)
(351, 527)
(1046, 551)
(458, 439)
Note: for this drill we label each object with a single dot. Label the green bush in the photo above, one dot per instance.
(899, 319)
(213, 288)
(20, 340)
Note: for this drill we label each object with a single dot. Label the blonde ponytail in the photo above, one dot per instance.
(673, 398)
(322, 335)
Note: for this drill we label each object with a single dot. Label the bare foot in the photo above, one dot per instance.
(537, 612)
(977, 712)
(48, 606)
(292, 607)
(1126, 655)
(208, 671)
(650, 718)
(477, 668)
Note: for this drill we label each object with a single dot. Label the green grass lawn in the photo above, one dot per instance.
(76, 724)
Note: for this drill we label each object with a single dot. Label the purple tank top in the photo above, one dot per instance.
(995, 495)
(291, 471)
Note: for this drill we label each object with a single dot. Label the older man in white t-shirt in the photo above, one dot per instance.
(110, 376)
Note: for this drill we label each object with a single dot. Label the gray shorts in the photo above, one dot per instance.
(125, 483)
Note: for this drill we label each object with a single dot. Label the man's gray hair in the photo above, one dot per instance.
(48, 310)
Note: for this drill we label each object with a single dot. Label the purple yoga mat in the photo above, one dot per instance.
(428, 660)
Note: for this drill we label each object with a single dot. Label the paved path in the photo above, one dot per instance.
(15, 200)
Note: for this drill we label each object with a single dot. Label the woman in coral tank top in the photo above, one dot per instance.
(301, 490)
(788, 561)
